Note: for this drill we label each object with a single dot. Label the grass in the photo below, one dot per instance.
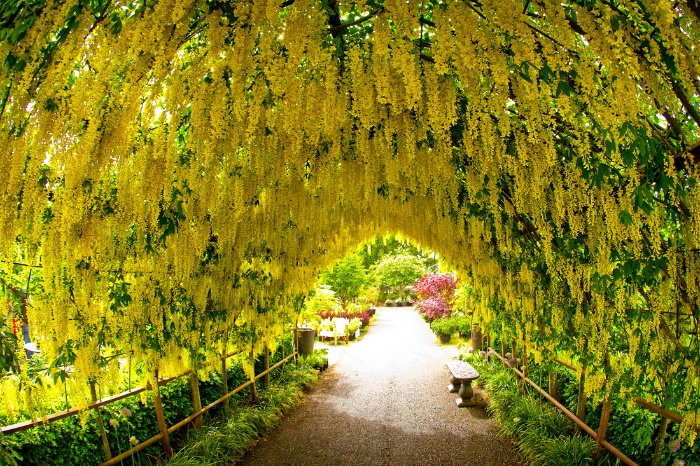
(225, 440)
(564, 451)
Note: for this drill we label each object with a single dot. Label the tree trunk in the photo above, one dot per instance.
(602, 429)
(554, 385)
(660, 441)
(196, 400)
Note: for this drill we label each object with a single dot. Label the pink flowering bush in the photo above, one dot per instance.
(434, 307)
(436, 284)
(436, 293)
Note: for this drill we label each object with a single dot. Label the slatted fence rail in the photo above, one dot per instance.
(599, 438)
(164, 434)
(552, 396)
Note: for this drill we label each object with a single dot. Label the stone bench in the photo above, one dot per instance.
(461, 381)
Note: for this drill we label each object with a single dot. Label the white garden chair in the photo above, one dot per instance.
(341, 330)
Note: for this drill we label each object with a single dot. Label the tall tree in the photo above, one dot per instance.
(346, 277)
(396, 272)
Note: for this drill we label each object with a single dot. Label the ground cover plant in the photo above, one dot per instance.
(632, 429)
(224, 440)
(543, 435)
(177, 173)
(76, 440)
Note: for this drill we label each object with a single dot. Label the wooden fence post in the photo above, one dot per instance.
(160, 417)
(266, 366)
(602, 429)
(284, 364)
(296, 344)
(514, 351)
(100, 424)
(253, 388)
(224, 379)
(196, 400)
(582, 399)
(523, 389)
(503, 347)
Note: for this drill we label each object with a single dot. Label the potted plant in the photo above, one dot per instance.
(443, 328)
(354, 327)
(463, 325)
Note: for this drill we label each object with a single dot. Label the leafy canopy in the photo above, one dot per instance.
(182, 171)
(346, 277)
(399, 271)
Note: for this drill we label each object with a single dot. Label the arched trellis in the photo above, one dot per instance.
(182, 168)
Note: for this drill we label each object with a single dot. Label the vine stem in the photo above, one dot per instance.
(5, 98)
(337, 29)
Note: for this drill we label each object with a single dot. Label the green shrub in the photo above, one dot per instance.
(224, 441)
(443, 326)
(8, 454)
(68, 442)
(354, 324)
(541, 432)
(463, 325)
(632, 430)
(564, 451)
(318, 360)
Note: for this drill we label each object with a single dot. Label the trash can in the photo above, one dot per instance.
(476, 336)
(306, 340)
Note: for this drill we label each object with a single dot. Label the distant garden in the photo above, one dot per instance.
(382, 270)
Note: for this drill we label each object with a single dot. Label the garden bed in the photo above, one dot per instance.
(544, 436)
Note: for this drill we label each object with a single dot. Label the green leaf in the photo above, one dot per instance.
(610, 147)
(627, 157)
(614, 23)
(116, 26)
(627, 127)
(625, 219)
(641, 199)
(525, 76)
(547, 75)
(563, 87)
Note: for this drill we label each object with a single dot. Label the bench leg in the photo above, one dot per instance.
(466, 394)
(453, 387)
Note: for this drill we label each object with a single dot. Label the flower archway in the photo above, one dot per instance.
(182, 169)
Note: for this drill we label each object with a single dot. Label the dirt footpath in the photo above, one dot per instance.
(384, 401)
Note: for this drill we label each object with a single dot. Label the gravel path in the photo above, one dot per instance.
(384, 401)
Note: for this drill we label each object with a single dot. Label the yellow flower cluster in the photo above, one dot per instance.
(182, 181)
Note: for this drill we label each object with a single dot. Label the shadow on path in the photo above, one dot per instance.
(384, 401)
